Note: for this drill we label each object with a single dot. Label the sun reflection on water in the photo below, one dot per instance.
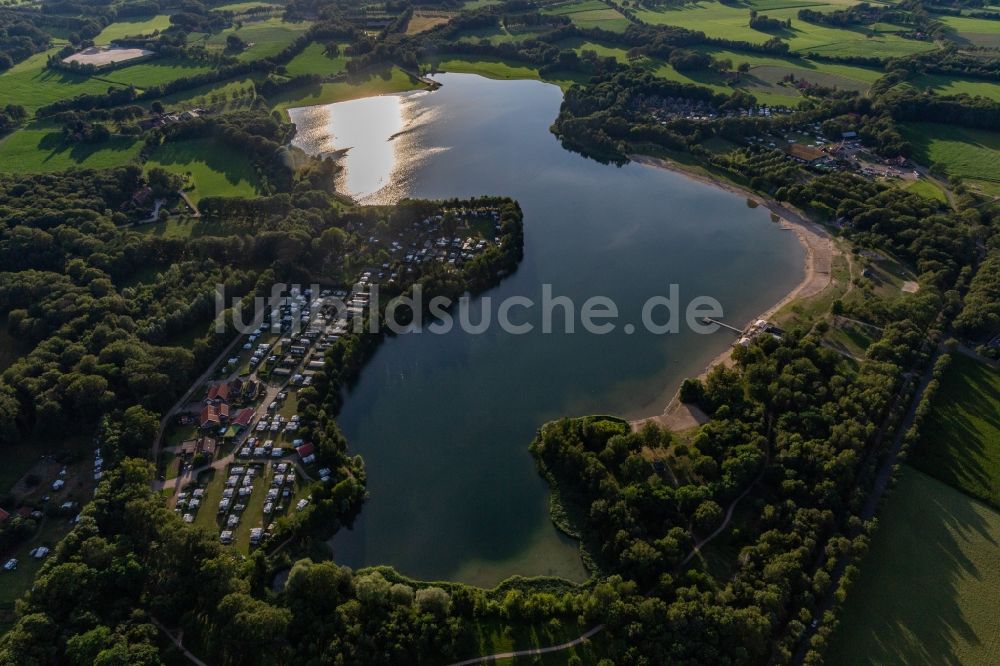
(377, 137)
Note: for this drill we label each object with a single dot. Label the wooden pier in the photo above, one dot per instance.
(709, 320)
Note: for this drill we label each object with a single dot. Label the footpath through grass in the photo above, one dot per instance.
(959, 151)
(961, 437)
(929, 586)
(216, 169)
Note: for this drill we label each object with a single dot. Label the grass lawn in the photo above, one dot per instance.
(731, 22)
(29, 84)
(590, 14)
(314, 61)
(184, 228)
(967, 153)
(40, 149)
(950, 85)
(926, 188)
(215, 168)
(155, 72)
(15, 583)
(384, 82)
(928, 587)
(132, 28)
(960, 442)
(265, 38)
(496, 68)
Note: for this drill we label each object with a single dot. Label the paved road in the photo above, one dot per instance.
(529, 653)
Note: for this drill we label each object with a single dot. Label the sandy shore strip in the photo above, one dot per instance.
(820, 251)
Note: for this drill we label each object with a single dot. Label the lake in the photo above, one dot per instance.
(444, 421)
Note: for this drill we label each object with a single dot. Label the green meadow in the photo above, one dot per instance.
(729, 22)
(926, 188)
(265, 38)
(29, 84)
(39, 149)
(967, 31)
(156, 72)
(949, 85)
(214, 168)
(590, 14)
(313, 60)
(132, 28)
(929, 585)
(960, 442)
(764, 80)
(962, 152)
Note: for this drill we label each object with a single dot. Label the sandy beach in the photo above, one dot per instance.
(819, 249)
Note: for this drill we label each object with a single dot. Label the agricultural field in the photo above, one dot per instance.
(156, 72)
(42, 149)
(928, 586)
(424, 20)
(730, 22)
(31, 85)
(590, 14)
(132, 28)
(389, 81)
(967, 153)
(313, 60)
(967, 31)
(265, 38)
(950, 85)
(960, 442)
(213, 168)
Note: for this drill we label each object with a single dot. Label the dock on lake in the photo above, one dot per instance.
(709, 320)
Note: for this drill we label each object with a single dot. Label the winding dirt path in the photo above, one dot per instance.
(532, 652)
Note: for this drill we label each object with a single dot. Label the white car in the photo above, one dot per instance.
(10, 564)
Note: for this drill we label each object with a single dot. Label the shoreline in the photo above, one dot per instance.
(819, 252)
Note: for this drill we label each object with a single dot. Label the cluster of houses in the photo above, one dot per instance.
(164, 119)
(664, 109)
(218, 413)
(755, 330)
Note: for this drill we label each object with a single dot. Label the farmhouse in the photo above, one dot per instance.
(212, 416)
(218, 393)
(805, 154)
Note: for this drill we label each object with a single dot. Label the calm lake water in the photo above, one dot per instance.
(444, 421)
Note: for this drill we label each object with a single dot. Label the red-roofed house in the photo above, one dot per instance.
(4, 516)
(212, 416)
(218, 393)
(306, 452)
(243, 417)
